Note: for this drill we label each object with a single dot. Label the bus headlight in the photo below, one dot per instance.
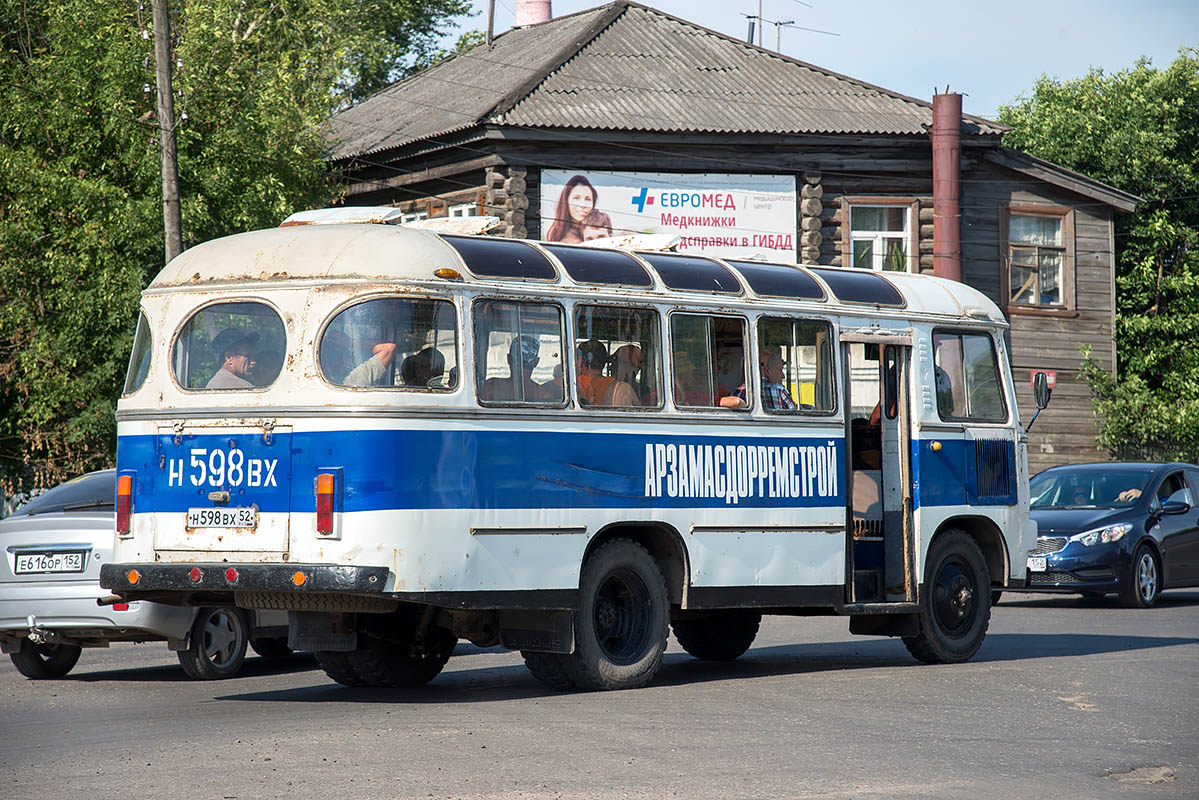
(1111, 533)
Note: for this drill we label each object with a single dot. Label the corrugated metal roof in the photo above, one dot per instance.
(628, 67)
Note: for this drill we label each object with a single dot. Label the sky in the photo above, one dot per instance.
(991, 52)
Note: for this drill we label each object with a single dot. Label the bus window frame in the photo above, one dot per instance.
(1000, 381)
(574, 310)
(567, 367)
(287, 345)
(385, 295)
(833, 341)
(750, 371)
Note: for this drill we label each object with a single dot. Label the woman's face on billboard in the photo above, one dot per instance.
(581, 201)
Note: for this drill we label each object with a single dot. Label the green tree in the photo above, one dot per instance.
(80, 193)
(1137, 130)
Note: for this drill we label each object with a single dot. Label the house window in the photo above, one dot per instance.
(1037, 255)
(880, 234)
(464, 210)
(414, 217)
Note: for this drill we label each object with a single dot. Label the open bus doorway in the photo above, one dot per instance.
(879, 474)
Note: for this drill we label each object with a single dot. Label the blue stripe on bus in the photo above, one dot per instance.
(486, 469)
(949, 476)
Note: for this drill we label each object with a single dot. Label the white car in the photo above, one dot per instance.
(53, 547)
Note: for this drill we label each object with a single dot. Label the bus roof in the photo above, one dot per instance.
(396, 253)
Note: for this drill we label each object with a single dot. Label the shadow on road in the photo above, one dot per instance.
(173, 673)
(491, 684)
(1064, 600)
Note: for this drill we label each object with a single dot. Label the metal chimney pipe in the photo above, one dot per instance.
(531, 12)
(947, 193)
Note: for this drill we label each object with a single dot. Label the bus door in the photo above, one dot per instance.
(224, 489)
(880, 558)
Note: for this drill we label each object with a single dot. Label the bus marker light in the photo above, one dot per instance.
(120, 606)
(448, 274)
(299, 579)
(935, 447)
(124, 504)
(231, 575)
(195, 574)
(133, 576)
(324, 502)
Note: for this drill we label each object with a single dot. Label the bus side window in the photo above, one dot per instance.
(967, 377)
(616, 357)
(796, 364)
(518, 353)
(709, 361)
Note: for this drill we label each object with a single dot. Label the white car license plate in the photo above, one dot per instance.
(241, 517)
(1037, 564)
(49, 562)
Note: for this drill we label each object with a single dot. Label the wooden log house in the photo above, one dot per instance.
(624, 88)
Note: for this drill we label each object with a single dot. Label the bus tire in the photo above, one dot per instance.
(623, 619)
(550, 669)
(399, 665)
(720, 635)
(338, 666)
(955, 608)
(41, 661)
(218, 643)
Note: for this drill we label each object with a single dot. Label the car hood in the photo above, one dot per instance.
(1068, 521)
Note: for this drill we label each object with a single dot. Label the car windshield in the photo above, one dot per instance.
(1114, 488)
(94, 491)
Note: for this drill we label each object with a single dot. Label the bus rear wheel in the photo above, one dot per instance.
(719, 635)
(623, 619)
(955, 606)
(339, 666)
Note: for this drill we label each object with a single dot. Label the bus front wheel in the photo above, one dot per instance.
(955, 606)
(622, 621)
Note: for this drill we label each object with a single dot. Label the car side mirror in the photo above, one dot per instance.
(1040, 389)
(1175, 507)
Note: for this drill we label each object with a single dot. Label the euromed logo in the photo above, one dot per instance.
(643, 199)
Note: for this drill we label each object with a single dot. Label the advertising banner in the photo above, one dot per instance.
(718, 215)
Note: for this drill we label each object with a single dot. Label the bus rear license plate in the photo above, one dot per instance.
(222, 517)
(29, 563)
(1037, 564)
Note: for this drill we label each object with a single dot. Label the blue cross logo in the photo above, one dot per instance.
(642, 199)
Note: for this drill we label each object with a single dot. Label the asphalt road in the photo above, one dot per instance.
(1068, 698)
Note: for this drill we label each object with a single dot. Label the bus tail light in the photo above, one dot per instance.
(325, 486)
(124, 505)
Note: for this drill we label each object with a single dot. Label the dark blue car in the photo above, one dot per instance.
(1130, 528)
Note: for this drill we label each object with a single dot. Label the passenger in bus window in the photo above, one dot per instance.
(775, 395)
(337, 359)
(424, 369)
(595, 388)
(627, 363)
(519, 386)
(234, 349)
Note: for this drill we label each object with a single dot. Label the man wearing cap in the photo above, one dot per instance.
(234, 349)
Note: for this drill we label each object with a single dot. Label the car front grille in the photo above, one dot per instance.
(1049, 544)
(1053, 577)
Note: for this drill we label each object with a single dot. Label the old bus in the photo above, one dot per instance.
(404, 438)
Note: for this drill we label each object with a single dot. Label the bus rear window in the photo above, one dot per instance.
(139, 360)
(230, 347)
(394, 343)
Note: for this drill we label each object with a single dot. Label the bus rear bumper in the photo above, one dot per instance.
(196, 584)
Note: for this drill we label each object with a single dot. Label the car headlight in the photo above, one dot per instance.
(1111, 533)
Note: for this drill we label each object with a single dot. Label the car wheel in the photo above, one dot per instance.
(623, 619)
(955, 606)
(218, 644)
(718, 636)
(271, 646)
(41, 661)
(1145, 582)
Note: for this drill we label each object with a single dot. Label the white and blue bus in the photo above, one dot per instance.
(404, 438)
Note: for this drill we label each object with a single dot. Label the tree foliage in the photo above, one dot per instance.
(1137, 130)
(80, 192)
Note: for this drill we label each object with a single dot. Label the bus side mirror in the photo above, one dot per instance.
(1041, 390)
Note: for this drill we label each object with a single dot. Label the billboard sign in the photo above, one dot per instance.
(715, 214)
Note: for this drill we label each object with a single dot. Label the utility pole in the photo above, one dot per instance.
(490, 22)
(172, 219)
